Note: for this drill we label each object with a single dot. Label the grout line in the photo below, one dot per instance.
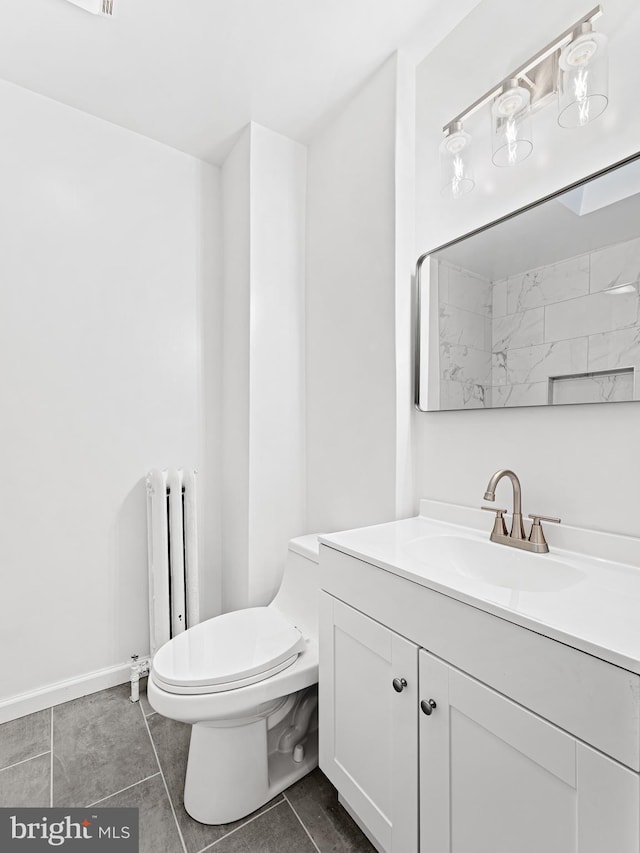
(24, 761)
(301, 822)
(164, 781)
(51, 765)
(102, 799)
(242, 825)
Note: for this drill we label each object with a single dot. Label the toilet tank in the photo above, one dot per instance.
(299, 590)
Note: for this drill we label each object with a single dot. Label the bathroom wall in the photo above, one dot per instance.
(350, 307)
(236, 193)
(264, 190)
(576, 462)
(360, 257)
(110, 353)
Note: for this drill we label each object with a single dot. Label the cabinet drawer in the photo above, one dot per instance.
(592, 699)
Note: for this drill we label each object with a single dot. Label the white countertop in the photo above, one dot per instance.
(596, 611)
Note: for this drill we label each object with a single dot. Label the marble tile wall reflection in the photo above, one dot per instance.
(608, 388)
(558, 320)
(615, 265)
(555, 283)
(465, 304)
(612, 350)
(501, 341)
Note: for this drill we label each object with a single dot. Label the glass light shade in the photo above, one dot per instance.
(583, 84)
(454, 163)
(512, 135)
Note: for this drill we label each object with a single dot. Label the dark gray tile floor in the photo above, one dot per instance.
(103, 750)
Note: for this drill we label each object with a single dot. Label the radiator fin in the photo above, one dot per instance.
(173, 557)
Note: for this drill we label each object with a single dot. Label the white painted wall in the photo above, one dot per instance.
(580, 462)
(108, 264)
(360, 258)
(277, 508)
(405, 154)
(351, 380)
(264, 184)
(235, 372)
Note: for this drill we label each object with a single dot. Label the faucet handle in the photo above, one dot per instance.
(537, 534)
(538, 518)
(499, 526)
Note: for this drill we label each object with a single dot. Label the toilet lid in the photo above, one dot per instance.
(228, 651)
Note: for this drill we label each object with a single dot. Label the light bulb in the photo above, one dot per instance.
(454, 162)
(512, 138)
(583, 78)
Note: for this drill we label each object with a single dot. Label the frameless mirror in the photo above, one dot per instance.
(539, 308)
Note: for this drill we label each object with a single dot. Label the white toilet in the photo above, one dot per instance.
(247, 682)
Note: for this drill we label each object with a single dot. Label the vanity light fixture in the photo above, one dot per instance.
(572, 70)
(583, 90)
(511, 125)
(96, 7)
(454, 161)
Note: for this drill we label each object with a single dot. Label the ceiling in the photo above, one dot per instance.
(192, 73)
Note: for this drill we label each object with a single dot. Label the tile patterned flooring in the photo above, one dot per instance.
(104, 750)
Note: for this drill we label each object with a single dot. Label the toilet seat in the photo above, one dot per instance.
(228, 652)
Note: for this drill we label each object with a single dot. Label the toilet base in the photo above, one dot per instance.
(231, 773)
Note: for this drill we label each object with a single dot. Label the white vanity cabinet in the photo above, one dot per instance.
(495, 778)
(531, 745)
(370, 729)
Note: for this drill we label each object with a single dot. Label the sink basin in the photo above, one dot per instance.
(497, 565)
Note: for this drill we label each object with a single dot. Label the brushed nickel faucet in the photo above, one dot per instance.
(517, 537)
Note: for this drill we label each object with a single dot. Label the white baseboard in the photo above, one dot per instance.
(63, 691)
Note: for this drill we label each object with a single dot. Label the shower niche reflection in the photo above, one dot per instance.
(539, 308)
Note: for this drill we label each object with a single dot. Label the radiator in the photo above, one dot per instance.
(174, 602)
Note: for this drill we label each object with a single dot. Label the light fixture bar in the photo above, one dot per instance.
(528, 66)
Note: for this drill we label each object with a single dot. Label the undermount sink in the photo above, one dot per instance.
(497, 565)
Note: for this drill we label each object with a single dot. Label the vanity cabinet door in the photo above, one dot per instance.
(368, 728)
(496, 778)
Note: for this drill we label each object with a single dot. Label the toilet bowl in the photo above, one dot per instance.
(247, 683)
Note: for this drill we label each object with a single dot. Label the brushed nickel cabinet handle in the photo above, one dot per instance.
(427, 706)
(399, 684)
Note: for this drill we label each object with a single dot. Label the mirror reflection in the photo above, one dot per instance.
(542, 308)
